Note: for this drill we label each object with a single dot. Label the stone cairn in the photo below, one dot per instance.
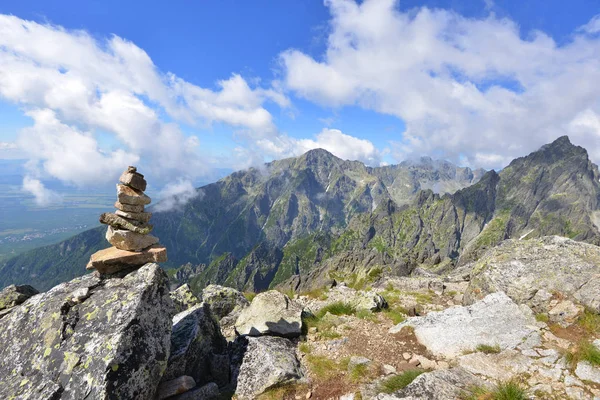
(128, 229)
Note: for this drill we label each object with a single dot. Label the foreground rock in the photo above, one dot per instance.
(226, 304)
(268, 362)
(89, 338)
(495, 320)
(183, 298)
(271, 313)
(196, 343)
(111, 260)
(438, 385)
(127, 240)
(529, 271)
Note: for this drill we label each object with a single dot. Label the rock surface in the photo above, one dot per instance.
(207, 392)
(128, 207)
(495, 320)
(271, 313)
(143, 217)
(195, 340)
(183, 298)
(111, 260)
(521, 268)
(268, 362)
(89, 338)
(175, 386)
(14, 295)
(133, 179)
(116, 221)
(226, 304)
(128, 195)
(127, 240)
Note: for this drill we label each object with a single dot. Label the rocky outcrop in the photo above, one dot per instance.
(226, 304)
(13, 295)
(495, 320)
(196, 342)
(271, 313)
(89, 338)
(268, 362)
(530, 271)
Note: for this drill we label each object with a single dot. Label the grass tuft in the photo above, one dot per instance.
(584, 351)
(590, 321)
(487, 349)
(510, 390)
(397, 382)
(337, 308)
(542, 317)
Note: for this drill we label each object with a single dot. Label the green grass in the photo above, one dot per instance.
(396, 314)
(590, 321)
(249, 296)
(488, 349)
(584, 351)
(366, 314)
(360, 373)
(324, 368)
(397, 382)
(337, 308)
(510, 390)
(304, 348)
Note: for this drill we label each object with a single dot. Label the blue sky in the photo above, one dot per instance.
(476, 82)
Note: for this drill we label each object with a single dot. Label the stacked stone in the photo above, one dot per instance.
(128, 229)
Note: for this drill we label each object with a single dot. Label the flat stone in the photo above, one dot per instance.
(175, 386)
(111, 260)
(126, 240)
(503, 366)
(141, 216)
(133, 178)
(495, 320)
(587, 372)
(119, 222)
(207, 392)
(271, 313)
(128, 207)
(128, 195)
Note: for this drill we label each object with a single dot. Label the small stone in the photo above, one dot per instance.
(128, 195)
(175, 387)
(133, 179)
(406, 356)
(141, 217)
(312, 330)
(111, 260)
(308, 395)
(129, 207)
(389, 369)
(119, 222)
(206, 392)
(126, 240)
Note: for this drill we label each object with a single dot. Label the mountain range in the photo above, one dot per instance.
(302, 220)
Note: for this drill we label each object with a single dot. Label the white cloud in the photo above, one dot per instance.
(74, 86)
(175, 195)
(593, 26)
(466, 88)
(343, 146)
(43, 196)
(7, 146)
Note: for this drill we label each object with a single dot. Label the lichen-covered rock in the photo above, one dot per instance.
(271, 313)
(195, 340)
(438, 385)
(268, 362)
(521, 268)
(14, 295)
(89, 339)
(226, 304)
(183, 298)
(495, 320)
(118, 222)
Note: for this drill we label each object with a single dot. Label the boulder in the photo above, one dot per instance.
(14, 295)
(133, 179)
(131, 196)
(271, 313)
(587, 372)
(503, 366)
(206, 392)
(183, 298)
(143, 217)
(268, 362)
(495, 320)
(195, 340)
(226, 304)
(438, 385)
(89, 339)
(116, 221)
(128, 207)
(111, 260)
(521, 268)
(127, 240)
(175, 386)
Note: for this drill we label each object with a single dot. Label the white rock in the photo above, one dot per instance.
(496, 319)
(503, 366)
(273, 313)
(585, 371)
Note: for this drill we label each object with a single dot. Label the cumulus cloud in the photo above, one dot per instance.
(7, 146)
(471, 89)
(42, 196)
(175, 195)
(75, 87)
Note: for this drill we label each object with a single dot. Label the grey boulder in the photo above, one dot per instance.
(226, 304)
(271, 313)
(89, 338)
(268, 362)
(183, 298)
(14, 295)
